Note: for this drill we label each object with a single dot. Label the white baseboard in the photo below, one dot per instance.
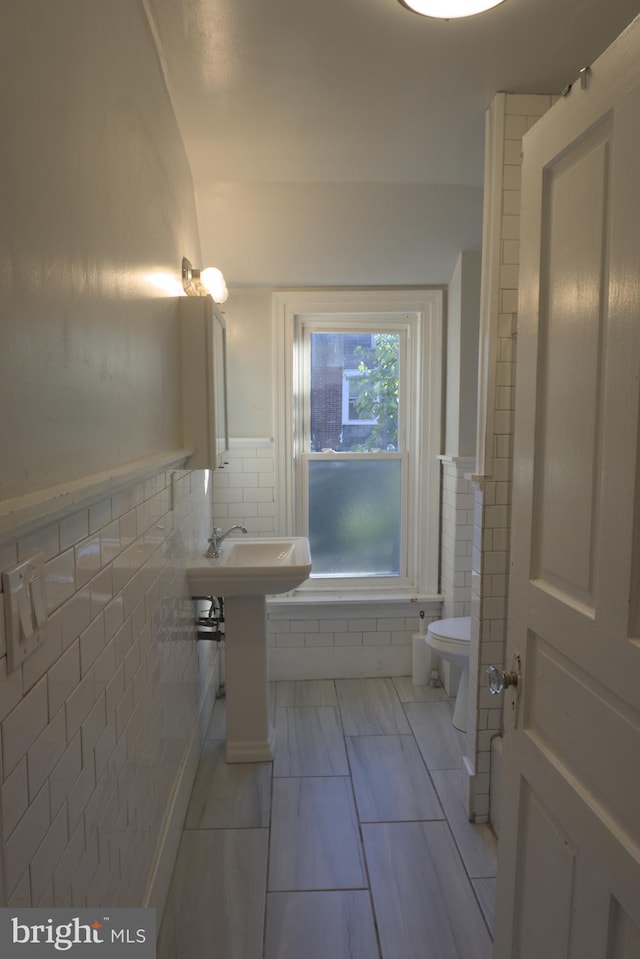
(474, 799)
(160, 878)
(260, 751)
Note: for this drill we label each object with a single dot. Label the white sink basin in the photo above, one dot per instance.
(253, 567)
(247, 571)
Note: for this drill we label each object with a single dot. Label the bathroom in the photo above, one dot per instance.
(102, 726)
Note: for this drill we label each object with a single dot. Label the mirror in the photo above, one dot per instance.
(204, 381)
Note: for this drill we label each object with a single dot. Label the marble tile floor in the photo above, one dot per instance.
(352, 844)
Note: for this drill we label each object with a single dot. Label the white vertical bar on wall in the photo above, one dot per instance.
(283, 374)
(429, 374)
(490, 282)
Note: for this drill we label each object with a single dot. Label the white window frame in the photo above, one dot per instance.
(346, 396)
(420, 310)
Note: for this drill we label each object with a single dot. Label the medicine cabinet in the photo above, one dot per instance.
(204, 381)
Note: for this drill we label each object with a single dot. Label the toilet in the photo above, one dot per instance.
(450, 639)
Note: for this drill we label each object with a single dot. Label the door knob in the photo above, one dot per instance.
(499, 680)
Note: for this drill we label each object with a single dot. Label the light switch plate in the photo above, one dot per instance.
(24, 609)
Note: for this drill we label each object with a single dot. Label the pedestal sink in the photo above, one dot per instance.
(247, 571)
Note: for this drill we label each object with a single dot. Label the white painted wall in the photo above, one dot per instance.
(250, 357)
(96, 195)
(95, 767)
(251, 344)
(338, 234)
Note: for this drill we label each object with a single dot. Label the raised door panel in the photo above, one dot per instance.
(572, 312)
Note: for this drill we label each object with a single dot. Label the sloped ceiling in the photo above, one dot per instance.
(330, 139)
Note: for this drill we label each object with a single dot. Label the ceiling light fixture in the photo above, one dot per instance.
(450, 9)
(209, 281)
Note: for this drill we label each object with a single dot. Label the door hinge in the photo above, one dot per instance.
(584, 81)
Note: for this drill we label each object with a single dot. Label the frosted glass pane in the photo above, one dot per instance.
(355, 517)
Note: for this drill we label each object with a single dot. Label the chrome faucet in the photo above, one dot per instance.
(217, 538)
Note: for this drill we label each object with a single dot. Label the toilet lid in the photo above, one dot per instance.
(457, 629)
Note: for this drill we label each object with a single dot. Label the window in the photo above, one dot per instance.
(353, 405)
(359, 434)
(353, 469)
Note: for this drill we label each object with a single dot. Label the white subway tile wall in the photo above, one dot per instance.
(243, 491)
(349, 647)
(309, 648)
(492, 502)
(95, 725)
(456, 540)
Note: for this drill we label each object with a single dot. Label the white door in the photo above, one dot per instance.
(569, 853)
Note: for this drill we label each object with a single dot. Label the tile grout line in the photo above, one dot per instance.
(266, 878)
(360, 823)
(449, 826)
(361, 836)
(424, 762)
(442, 806)
(473, 889)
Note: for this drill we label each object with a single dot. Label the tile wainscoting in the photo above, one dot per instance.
(101, 727)
(456, 539)
(332, 640)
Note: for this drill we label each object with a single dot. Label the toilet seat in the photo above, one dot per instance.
(451, 637)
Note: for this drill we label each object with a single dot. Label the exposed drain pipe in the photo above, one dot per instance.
(210, 625)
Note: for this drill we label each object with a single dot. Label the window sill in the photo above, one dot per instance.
(334, 605)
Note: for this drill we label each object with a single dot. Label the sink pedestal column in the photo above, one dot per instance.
(250, 735)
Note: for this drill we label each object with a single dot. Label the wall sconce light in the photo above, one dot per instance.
(203, 282)
(449, 9)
